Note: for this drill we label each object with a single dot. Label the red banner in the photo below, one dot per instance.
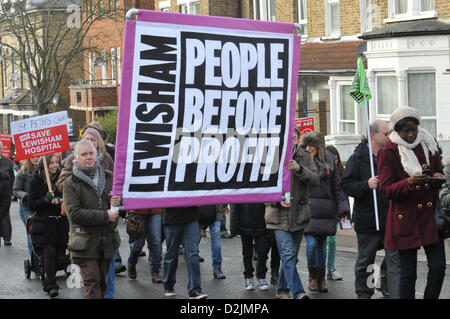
(41, 142)
(305, 124)
(6, 141)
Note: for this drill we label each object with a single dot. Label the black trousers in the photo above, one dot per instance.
(436, 271)
(263, 244)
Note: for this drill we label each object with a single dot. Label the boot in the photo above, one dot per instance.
(313, 283)
(322, 283)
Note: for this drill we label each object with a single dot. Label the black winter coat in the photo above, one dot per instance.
(248, 219)
(180, 215)
(327, 201)
(5, 198)
(49, 226)
(355, 184)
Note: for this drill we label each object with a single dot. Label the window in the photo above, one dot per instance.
(103, 66)
(164, 5)
(332, 19)
(422, 96)
(366, 15)
(78, 97)
(113, 66)
(400, 10)
(347, 111)
(119, 70)
(387, 94)
(90, 70)
(303, 16)
(189, 7)
(264, 10)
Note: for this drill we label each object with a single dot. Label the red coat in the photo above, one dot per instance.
(410, 222)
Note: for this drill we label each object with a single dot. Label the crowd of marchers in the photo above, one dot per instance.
(396, 176)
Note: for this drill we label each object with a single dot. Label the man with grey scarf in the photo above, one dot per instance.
(93, 235)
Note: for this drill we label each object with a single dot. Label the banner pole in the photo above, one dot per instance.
(47, 175)
(372, 170)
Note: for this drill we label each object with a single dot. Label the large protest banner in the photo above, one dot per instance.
(40, 135)
(206, 111)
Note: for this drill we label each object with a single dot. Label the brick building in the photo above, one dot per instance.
(334, 33)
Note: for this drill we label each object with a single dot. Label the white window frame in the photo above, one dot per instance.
(384, 116)
(90, 66)
(164, 5)
(188, 5)
(339, 99)
(265, 10)
(118, 62)
(425, 117)
(366, 25)
(414, 12)
(103, 67)
(304, 21)
(113, 65)
(328, 31)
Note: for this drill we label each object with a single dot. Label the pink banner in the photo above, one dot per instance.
(206, 110)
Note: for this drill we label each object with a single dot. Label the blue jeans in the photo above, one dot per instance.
(216, 246)
(152, 225)
(288, 246)
(190, 235)
(24, 214)
(111, 280)
(316, 251)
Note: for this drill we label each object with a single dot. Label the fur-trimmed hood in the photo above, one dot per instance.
(316, 139)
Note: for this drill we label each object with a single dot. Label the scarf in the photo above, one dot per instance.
(408, 158)
(93, 176)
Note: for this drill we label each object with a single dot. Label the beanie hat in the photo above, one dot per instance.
(403, 112)
(316, 139)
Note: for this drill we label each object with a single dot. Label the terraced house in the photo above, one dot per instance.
(406, 45)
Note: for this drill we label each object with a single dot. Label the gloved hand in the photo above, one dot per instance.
(49, 196)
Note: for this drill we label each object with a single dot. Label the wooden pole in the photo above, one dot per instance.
(47, 175)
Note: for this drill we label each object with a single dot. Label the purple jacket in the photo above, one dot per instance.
(327, 201)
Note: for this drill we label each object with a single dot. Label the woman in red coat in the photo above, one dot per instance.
(405, 165)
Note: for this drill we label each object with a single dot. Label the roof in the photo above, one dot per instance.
(410, 28)
(341, 55)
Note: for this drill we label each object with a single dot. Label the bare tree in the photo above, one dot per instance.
(46, 38)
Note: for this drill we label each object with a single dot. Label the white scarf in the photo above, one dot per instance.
(408, 158)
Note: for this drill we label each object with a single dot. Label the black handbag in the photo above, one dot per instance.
(134, 226)
(442, 217)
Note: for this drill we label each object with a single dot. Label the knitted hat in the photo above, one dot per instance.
(403, 112)
(315, 139)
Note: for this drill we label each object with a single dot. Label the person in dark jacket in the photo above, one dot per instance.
(327, 202)
(21, 188)
(7, 167)
(248, 221)
(50, 228)
(5, 199)
(411, 224)
(181, 225)
(358, 183)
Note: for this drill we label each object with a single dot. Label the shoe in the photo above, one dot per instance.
(53, 293)
(313, 279)
(226, 235)
(201, 259)
(283, 296)
(249, 285)
(169, 292)
(203, 233)
(364, 296)
(156, 279)
(333, 274)
(274, 278)
(218, 274)
(384, 291)
(322, 283)
(303, 296)
(142, 254)
(119, 268)
(198, 295)
(132, 271)
(7, 243)
(262, 283)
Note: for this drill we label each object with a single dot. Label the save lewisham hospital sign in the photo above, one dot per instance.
(206, 110)
(40, 135)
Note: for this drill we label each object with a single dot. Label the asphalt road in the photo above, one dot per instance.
(14, 284)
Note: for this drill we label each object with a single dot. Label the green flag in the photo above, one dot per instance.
(360, 86)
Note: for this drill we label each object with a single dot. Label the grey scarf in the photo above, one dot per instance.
(93, 176)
